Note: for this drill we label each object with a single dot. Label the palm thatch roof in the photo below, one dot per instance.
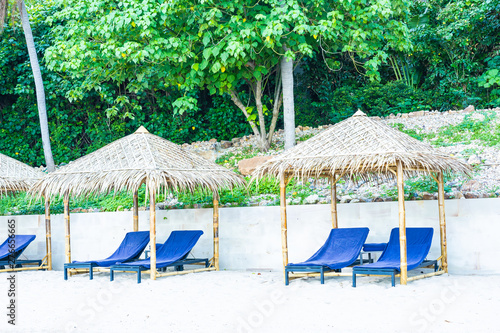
(138, 158)
(360, 147)
(16, 176)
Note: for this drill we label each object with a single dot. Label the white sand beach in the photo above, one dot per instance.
(241, 301)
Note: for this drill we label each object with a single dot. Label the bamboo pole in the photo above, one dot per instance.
(152, 234)
(136, 211)
(48, 234)
(186, 272)
(333, 195)
(422, 276)
(67, 225)
(216, 230)
(284, 243)
(24, 269)
(402, 224)
(442, 223)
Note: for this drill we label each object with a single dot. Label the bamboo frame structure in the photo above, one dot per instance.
(67, 243)
(216, 230)
(16, 176)
(152, 234)
(136, 211)
(125, 165)
(402, 225)
(365, 149)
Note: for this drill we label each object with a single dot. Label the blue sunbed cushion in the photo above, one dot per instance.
(418, 244)
(340, 250)
(177, 246)
(374, 247)
(131, 247)
(20, 243)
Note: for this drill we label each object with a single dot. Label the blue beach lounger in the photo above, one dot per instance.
(172, 253)
(418, 244)
(130, 249)
(20, 243)
(340, 250)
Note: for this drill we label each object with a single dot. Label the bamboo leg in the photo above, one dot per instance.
(333, 195)
(402, 224)
(284, 243)
(136, 211)
(442, 223)
(216, 231)
(48, 235)
(152, 234)
(67, 224)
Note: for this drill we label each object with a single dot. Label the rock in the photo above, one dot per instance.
(354, 201)
(470, 108)
(470, 195)
(458, 195)
(404, 115)
(210, 155)
(378, 200)
(235, 140)
(225, 144)
(185, 145)
(387, 199)
(474, 160)
(312, 199)
(249, 165)
(142, 209)
(427, 196)
(471, 185)
(212, 140)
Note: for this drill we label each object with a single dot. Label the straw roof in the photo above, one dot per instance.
(127, 163)
(16, 176)
(360, 147)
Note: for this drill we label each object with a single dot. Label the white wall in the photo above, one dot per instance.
(250, 237)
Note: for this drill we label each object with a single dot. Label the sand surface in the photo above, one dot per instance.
(240, 301)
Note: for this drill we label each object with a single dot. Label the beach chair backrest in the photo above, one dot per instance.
(418, 244)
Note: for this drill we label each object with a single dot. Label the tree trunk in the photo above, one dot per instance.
(288, 103)
(40, 93)
(3, 14)
(261, 137)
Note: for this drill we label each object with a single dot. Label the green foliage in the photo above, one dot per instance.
(374, 99)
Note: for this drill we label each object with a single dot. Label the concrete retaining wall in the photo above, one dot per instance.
(250, 236)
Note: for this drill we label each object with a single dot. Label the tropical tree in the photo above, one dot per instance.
(233, 47)
(37, 75)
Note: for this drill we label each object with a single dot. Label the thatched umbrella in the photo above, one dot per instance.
(16, 176)
(126, 164)
(363, 148)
